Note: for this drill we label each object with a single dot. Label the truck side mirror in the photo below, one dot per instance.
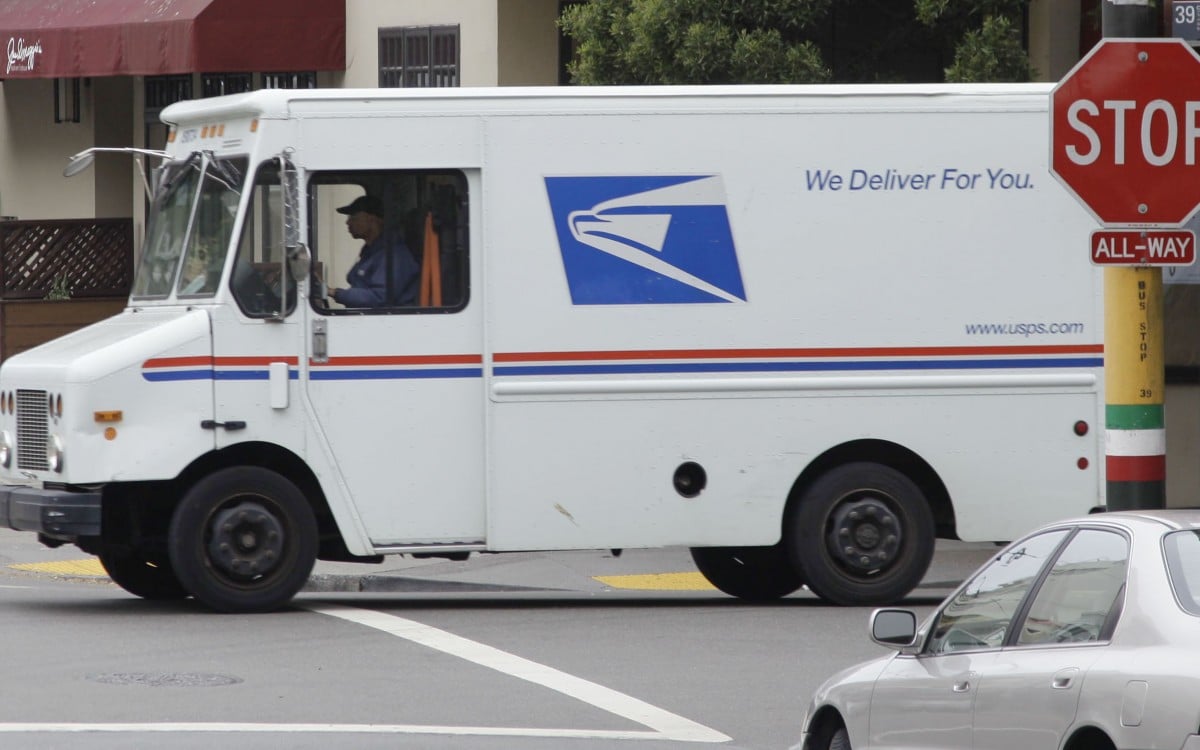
(294, 260)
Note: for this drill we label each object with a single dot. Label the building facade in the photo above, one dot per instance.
(65, 90)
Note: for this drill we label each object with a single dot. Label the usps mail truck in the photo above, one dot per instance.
(802, 331)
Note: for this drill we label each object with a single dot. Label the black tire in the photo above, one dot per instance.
(243, 539)
(753, 573)
(139, 576)
(840, 740)
(862, 534)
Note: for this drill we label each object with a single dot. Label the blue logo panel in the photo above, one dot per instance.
(645, 240)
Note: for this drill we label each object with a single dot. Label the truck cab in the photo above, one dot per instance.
(233, 377)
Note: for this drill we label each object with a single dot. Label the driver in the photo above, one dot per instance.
(386, 273)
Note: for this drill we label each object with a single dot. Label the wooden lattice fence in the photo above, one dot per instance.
(58, 276)
(85, 257)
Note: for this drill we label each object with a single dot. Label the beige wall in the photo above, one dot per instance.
(528, 42)
(113, 105)
(34, 150)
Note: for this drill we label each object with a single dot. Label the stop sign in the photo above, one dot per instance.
(1125, 131)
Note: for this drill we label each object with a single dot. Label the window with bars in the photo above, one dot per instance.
(66, 100)
(218, 84)
(419, 57)
(164, 90)
(305, 80)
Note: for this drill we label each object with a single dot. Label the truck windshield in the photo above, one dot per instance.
(191, 222)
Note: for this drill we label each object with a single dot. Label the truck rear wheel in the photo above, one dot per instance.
(139, 576)
(863, 534)
(754, 573)
(243, 539)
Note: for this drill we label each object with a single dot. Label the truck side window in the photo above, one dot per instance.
(387, 242)
(256, 276)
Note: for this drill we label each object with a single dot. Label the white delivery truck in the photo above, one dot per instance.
(803, 331)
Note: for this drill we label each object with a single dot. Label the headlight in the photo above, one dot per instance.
(6, 448)
(54, 453)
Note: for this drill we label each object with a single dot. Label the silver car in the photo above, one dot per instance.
(1084, 635)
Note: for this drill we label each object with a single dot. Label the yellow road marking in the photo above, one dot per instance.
(658, 582)
(645, 582)
(91, 567)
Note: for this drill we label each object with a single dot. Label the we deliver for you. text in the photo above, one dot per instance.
(949, 178)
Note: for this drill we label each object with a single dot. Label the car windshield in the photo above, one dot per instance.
(1182, 549)
(191, 222)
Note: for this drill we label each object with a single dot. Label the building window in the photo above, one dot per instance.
(66, 100)
(305, 80)
(218, 84)
(418, 57)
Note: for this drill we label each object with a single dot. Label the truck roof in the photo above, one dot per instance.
(283, 103)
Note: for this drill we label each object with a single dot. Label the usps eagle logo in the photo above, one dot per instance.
(645, 240)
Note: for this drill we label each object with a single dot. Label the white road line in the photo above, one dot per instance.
(664, 725)
(214, 727)
(667, 725)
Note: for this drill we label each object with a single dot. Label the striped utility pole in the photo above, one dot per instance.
(1135, 437)
(1135, 440)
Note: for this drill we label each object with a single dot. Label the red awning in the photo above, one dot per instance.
(87, 38)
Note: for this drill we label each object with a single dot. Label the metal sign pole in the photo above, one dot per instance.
(1134, 373)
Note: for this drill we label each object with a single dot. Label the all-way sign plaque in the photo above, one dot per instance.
(1143, 247)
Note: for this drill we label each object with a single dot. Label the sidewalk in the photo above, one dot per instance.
(585, 570)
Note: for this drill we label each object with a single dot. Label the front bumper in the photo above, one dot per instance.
(56, 513)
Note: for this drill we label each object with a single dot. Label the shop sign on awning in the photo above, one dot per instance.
(92, 38)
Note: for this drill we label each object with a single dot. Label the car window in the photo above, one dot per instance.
(979, 616)
(1183, 562)
(1073, 603)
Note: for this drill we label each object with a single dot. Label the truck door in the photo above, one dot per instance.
(394, 343)
(258, 341)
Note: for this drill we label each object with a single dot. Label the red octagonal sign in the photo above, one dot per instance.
(1125, 131)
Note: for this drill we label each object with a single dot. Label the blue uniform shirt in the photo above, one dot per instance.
(368, 276)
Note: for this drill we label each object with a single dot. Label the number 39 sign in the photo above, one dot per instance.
(1185, 20)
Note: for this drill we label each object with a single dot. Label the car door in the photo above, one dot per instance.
(926, 701)
(1028, 693)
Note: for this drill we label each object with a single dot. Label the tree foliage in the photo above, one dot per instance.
(986, 35)
(991, 54)
(794, 41)
(694, 41)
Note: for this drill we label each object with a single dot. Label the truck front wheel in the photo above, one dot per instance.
(243, 539)
(862, 534)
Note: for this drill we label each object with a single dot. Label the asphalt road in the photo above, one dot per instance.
(503, 651)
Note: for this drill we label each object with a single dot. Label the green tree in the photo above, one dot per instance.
(986, 35)
(694, 41)
(794, 41)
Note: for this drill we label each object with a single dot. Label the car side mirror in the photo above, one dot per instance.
(894, 628)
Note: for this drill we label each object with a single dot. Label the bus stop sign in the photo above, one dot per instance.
(1125, 132)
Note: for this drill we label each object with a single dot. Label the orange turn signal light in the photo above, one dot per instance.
(108, 416)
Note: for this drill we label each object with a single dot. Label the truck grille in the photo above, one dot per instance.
(33, 427)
